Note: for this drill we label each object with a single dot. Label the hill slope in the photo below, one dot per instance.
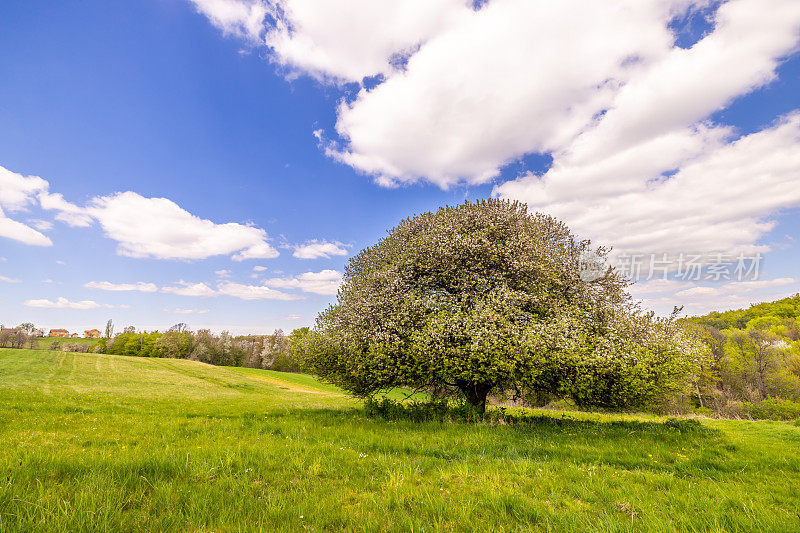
(128, 444)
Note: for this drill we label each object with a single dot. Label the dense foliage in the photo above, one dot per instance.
(275, 352)
(487, 299)
(755, 365)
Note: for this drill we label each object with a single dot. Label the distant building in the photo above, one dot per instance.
(92, 334)
(75, 336)
(58, 333)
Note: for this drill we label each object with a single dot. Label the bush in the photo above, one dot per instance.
(704, 411)
(774, 409)
(75, 347)
(684, 425)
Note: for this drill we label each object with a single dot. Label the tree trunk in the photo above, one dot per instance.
(475, 393)
(699, 396)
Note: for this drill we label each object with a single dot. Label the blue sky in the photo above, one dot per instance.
(318, 126)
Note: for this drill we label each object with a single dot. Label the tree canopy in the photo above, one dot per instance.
(486, 298)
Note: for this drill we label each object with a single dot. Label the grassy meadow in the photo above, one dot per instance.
(113, 443)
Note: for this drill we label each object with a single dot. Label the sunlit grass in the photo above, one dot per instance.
(128, 444)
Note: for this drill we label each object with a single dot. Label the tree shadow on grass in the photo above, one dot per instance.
(631, 445)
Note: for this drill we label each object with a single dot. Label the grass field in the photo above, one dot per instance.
(111, 443)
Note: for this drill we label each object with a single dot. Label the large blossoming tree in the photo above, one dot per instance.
(487, 299)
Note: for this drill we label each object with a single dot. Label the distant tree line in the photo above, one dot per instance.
(755, 365)
(23, 336)
(277, 351)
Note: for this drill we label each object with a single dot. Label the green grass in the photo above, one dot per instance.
(111, 443)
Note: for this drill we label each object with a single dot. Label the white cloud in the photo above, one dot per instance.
(223, 273)
(346, 40)
(179, 311)
(293, 317)
(718, 201)
(600, 86)
(535, 76)
(22, 233)
(6, 279)
(254, 292)
(41, 225)
(515, 77)
(609, 184)
(327, 39)
(184, 288)
(324, 282)
(258, 251)
(69, 213)
(17, 192)
(259, 268)
(63, 303)
(160, 228)
(316, 249)
(731, 295)
(242, 18)
(108, 286)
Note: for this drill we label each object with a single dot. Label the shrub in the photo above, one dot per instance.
(704, 411)
(774, 409)
(75, 347)
(684, 425)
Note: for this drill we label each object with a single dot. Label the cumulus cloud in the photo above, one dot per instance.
(515, 77)
(327, 39)
(161, 229)
(602, 87)
(20, 232)
(254, 292)
(144, 227)
(650, 175)
(66, 212)
(184, 288)
(63, 303)
(17, 192)
(108, 286)
(718, 201)
(532, 76)
(259, 268)
(316, 249)
(730, 295)
(241, 18)
(325, 282)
